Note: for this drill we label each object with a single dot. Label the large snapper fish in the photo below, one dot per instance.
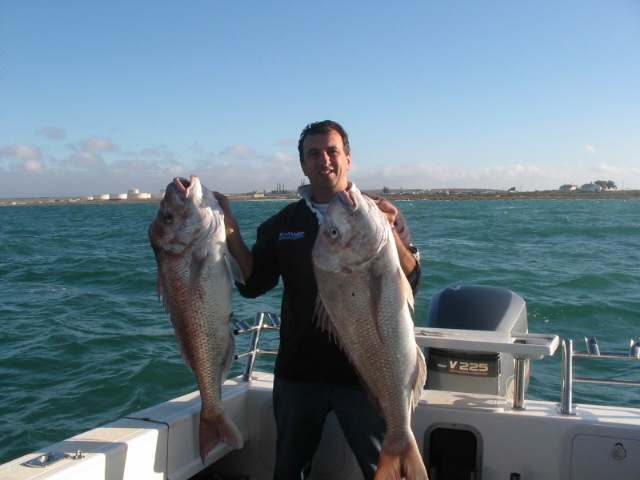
(195, 281)
(366, 304)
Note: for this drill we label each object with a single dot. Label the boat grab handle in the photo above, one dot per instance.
(592, 351)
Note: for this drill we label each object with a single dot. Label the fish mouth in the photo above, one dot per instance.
(354, 201)
(349, 199)
(182, 184)
(187, 188)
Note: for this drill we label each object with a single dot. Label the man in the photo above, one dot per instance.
(312, 374)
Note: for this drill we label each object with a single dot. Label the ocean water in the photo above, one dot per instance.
(84, 339)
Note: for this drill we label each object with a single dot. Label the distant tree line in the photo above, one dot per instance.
(606, 184)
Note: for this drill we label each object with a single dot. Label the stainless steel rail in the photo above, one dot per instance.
(523, 346)
(258, 325)
(593, 351)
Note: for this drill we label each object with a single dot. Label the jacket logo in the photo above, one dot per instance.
(291, 235)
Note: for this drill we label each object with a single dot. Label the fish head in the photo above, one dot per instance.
(186, 216)
(352, 232)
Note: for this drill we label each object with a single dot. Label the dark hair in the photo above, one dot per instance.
(323, 127)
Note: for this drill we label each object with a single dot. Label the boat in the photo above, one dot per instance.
(473, 420)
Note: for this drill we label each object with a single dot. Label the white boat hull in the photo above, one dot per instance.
(540, 440)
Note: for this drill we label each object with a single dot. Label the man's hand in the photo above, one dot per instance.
(407, 259)
(389, 210)
(230, 222)
(236, 244)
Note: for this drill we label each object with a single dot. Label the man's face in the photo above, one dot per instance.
(325, 164)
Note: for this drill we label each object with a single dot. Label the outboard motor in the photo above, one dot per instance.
(475, 307)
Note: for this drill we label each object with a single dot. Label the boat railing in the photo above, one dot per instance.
(262, 321)
(523, 346)
(592, 351)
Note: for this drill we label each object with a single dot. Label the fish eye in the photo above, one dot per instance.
(167, 218)
(334, 232)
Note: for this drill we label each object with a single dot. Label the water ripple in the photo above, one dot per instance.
(85, 340)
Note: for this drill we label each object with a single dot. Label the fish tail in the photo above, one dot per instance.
(407, 464)
(216, 429)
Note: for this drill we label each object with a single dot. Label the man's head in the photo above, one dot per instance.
(323, 127)
(325, 158)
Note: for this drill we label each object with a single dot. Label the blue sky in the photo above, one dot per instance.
(100, 97)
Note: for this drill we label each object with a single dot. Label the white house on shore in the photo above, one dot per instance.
(590, 187)
(568, 188)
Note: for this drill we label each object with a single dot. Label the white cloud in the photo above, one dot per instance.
(29, 158)
(54, 133)
(21, 152)
(287, 143)
(100, 144)
(238, 152)
(33, 166)
(426, 176)
(87, 159)
(619, 172)
(590, 149)
(98, 165)
(282, 159)
(153, 151)
(176, 170)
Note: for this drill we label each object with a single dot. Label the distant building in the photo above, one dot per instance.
(568, 188)
(138, 195)
(135, 193)
(590, 187)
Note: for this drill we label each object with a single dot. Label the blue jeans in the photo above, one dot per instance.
(300, 411)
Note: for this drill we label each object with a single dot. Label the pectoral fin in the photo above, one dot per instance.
(234, 268)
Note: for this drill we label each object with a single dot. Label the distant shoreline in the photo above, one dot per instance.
(461, 195)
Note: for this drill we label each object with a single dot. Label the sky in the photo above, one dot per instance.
(100, 97)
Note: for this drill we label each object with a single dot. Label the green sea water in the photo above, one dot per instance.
(84, 339)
